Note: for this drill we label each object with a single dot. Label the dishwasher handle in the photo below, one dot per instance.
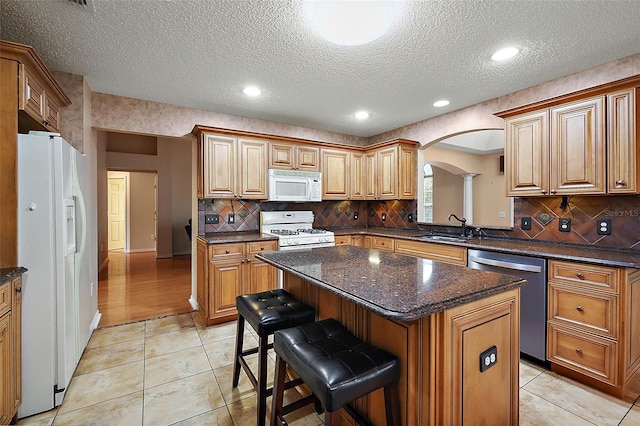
(506, 265)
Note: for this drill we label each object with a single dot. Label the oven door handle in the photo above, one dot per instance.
(506, 265)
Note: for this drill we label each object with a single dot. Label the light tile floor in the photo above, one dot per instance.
(174, 371)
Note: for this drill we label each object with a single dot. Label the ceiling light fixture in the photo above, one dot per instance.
(362, 115)
(441, 103)
(504, 54)
(350, 23)
(252, 91)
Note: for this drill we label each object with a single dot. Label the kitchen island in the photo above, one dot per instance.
(441, 320)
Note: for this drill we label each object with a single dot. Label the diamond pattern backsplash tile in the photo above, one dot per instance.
(584, 212)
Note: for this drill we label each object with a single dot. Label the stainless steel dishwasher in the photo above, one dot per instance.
(533, 295)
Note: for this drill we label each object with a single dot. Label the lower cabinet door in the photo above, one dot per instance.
(227, 285)
(262, 276)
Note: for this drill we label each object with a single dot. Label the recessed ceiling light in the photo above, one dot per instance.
(441, 103)
(252, 91)
(350, 23)
(362, 115)
(504, 54)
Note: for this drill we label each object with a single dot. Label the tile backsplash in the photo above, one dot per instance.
(584, 212)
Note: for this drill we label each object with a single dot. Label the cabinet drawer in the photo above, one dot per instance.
(261, 246)
(583, 352)
(5, 297)
(591, 311)
(598, 277)
(343, 240)
(223, 251)
(382, 243)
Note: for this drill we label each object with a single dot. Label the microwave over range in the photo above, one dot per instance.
(295, 185)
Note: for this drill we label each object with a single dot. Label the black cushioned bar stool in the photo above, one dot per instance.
(338, 368)
(266, 312)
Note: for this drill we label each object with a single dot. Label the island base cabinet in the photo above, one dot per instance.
(440, 380)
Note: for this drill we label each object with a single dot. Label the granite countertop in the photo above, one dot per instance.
(601, 256)
(395, 286)
(235, 237)
(7, 274)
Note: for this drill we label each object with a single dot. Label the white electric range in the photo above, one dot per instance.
(295, 230)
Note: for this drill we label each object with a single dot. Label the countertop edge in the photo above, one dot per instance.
(7, 274)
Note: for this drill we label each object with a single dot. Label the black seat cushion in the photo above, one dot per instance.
(273, 310)
(336, 365)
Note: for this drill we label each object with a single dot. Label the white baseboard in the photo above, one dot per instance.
(194, 303)
(95, 322)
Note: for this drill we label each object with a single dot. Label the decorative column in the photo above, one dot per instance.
(467, 204)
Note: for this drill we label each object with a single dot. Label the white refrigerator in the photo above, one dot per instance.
(52, 234)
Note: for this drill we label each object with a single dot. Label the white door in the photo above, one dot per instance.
(116, 206)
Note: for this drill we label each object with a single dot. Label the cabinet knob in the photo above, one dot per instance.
(261, 248)
(621, 183)
(18, 289)
(579, 351)
(580, 308)
(553, 191)
(543, 191)
(580, 275)
(226, 251)
(46, 123)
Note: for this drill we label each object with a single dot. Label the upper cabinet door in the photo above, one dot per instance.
(335, 174)
(407, 164)
(219, 159)
(253, 168)
(578, 162)
(358, 174)
(624, 172)
(388, 173)
(527, 154)
(289, 156)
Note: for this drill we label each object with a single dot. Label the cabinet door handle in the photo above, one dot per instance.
(18, 289)
(580, 309)
(579, 351)
(543, 191)
(580, 275)
(621, 183)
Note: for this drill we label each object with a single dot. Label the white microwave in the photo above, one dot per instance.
(294, 185)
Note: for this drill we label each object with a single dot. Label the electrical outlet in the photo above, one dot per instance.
(564, 225)
(488, 359)
(410, 217)
(525, 223)
(355, 215)
(502, 214)
(211, 219)
(604, 227)
(231, 218)
(384, 216)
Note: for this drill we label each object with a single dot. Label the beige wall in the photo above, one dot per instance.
(488, 193)
(142, 202)
(447, 195)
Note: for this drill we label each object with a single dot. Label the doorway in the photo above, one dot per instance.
(132, 211)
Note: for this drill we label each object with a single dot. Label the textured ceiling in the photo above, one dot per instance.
(201, 53)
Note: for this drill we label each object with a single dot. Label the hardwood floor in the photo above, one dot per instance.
(137, 286)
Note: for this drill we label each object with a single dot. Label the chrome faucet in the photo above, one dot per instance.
(463, 221)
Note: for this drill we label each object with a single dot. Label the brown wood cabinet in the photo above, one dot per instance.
(225, 271)
(289, 156)
(336, 174)
(623, 116)
(232, 167)
(593, 324)
(10, 348)
(579, 144)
